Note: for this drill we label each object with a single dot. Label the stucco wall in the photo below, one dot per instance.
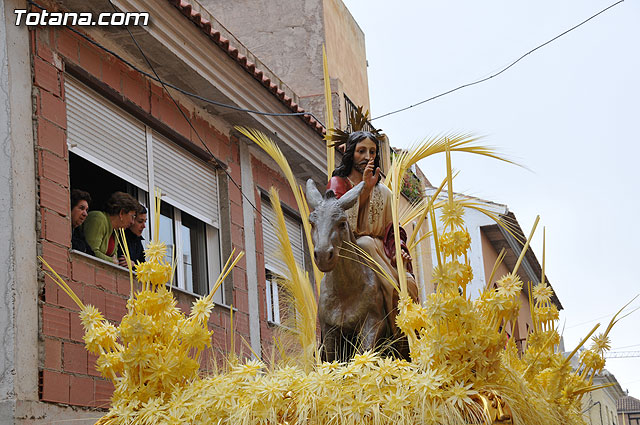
(600, 402)
(286, 35)
(18, 290)
(346, 52)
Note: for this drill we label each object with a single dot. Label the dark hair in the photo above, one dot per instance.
(354, 138)
(120, 201)
(142, 209)
(78, 195)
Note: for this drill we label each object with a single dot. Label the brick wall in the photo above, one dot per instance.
(67, 371)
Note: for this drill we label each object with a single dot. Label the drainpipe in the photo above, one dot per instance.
(599, 407)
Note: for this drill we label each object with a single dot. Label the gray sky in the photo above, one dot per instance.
(569, 112)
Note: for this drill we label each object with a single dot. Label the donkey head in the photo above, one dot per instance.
(329, 226)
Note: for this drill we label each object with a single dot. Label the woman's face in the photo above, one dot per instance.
(125, 219)
(139, 224)
(79, 213)
(365, 150)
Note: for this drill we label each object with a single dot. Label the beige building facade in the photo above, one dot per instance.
(288, 35)
(488, 239)
(599, 407)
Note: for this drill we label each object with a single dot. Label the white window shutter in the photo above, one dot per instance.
(185, 181)
(103, 134)
(270, 239)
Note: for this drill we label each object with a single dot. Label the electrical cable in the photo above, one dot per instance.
(482, 80)
(251, 111)
(184, 115)
(185, 92)
(598, 318)
(626, 346)
(157, 78)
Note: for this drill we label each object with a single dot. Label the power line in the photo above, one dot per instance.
(597, 318)
(482, 80)
(621, 354)
(626, 346)
(183, 91)
(186, 117)
(164, 84)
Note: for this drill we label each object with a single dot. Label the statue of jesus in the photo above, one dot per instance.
(370, 218)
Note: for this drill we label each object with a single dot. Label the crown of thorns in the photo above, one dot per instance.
(358, 121)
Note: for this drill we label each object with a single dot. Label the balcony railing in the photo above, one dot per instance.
(350, 108)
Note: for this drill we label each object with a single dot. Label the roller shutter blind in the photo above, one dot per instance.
(270, 239)
(102, 133)
(186, 182)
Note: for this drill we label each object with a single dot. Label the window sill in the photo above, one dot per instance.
(99, 260)
(194, 295)
(281, 326)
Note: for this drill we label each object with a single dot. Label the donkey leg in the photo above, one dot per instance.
(330, 344)
(373, 331)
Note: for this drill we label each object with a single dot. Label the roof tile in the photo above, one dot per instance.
(224, 43)
(628, 404)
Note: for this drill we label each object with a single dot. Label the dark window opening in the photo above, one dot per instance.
(100, 183)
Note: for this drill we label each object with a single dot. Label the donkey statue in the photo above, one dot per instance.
(351, 308)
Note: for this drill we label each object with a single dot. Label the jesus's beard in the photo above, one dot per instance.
(360, 167)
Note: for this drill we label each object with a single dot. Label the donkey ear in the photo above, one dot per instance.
(314, 197)
(349, 199)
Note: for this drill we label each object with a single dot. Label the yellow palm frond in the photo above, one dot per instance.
(62, 284)
(410, 212)
(501, 256)
(615, 319)
(419, 240)
(423, 213)
(328, 105)
(297, 287)
(395, 180)
(457, 142)
(580, 344)
(526, 246)
(270, 147)
(228, 266)
(121, 240)
(369, 262)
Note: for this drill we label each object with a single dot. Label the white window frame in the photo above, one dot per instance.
(212, 239)
(213, 249)
(212, 234)
(271, 285)
(273, 299)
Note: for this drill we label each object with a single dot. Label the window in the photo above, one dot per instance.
(273, 299)
(113, 151)
(275, 267)
(101, 184)
(187, 236)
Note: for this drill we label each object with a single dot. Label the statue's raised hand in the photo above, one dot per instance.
(369, 177)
